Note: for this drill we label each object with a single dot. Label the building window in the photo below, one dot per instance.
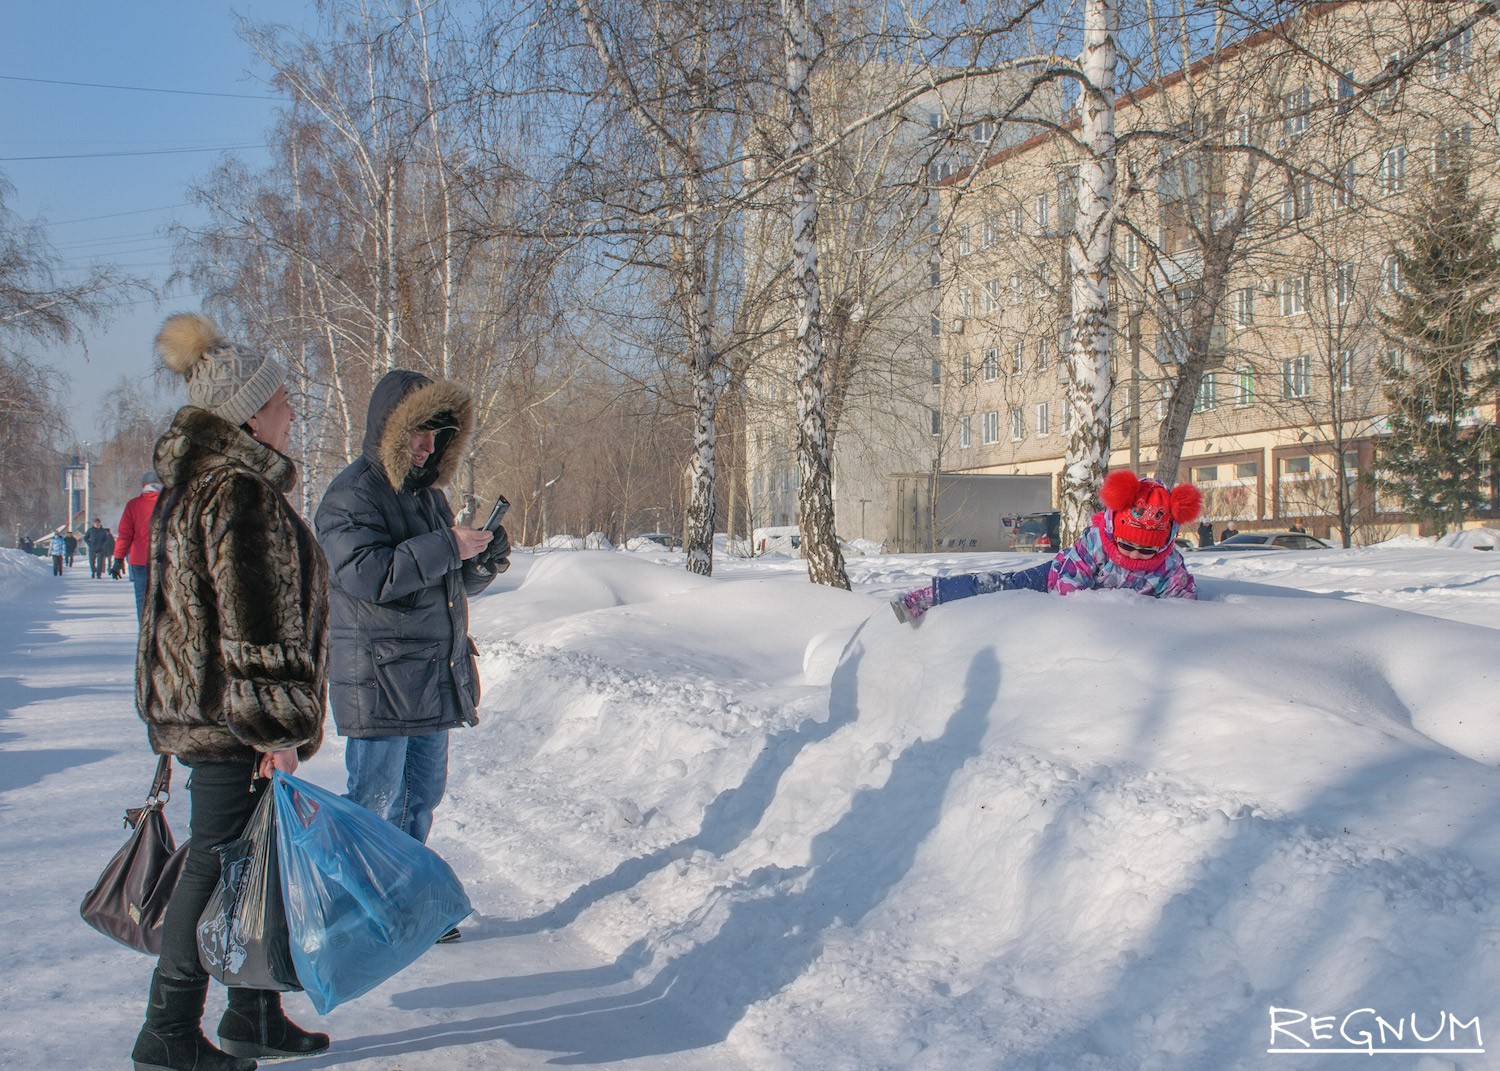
(1208, 394)
(1449, 147)
(937, 371)
(1343, 92)
(1244, 387)
(1296, 202)
(1453, 56)
(1132, 251)
(1294, 108)
(1017, 288)
(965, 240)
(1343, 193)
(1392, 364)
(965, 433)
(967, 370)
(1246, 470)
(991, 231)
(935, 421)
(1042, 426)
(1043, 213)
(1296, 466)
(1244, 307)
(1017, 357)
(992, 296)
(1205, 474)
(1296, 376)
(1042, 356)
(989, 431)
(1345, 370)
(1392, 174)
(1017, 425)
(991, 367)
(1067, 419)
(1392, 90)
(935, 325)
(1244, 129)
(1018, 219)
(935, 275)
(983, 132)
(1343, 284)
(1392, 278)
(1293, 292)
(965, 302)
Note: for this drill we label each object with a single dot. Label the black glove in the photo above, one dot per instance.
(495, 558)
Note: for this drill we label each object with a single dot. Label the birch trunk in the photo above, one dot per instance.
(1089, 383)
(820, 546)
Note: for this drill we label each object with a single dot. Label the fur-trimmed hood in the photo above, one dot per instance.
(400, 404)
(198, 441)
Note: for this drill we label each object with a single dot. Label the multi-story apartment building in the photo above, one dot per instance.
(880, 221)
(1260, 195)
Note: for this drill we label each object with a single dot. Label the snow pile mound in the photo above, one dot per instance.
(18, 571)
(1472, 539)
(1097, 832)
(561, 542)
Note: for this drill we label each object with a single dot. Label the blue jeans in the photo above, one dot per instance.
(400, 778)
(139, 574)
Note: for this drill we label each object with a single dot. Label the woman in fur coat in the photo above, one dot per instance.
(231, 673)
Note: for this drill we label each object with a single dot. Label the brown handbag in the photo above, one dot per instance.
(130, 898)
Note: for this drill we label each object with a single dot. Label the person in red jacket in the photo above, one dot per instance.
(133, 537)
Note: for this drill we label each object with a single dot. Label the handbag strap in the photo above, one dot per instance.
(161, 784)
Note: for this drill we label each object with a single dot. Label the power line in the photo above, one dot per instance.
(116, 215)
(139, 152)
(138, 89)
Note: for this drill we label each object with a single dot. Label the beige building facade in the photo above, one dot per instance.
(1260, 196)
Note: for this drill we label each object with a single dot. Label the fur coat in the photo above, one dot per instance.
(233, 651)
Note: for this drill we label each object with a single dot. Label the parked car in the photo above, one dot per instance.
(1038, 532)
(1271, 540)
(666, 539)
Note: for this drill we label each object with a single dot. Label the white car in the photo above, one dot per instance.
(1271, 540)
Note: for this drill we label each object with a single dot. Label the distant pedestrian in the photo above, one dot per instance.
(58, 548)
(133, 542)
(1229, 530)
(1297, 527)
(70, 547)
(100, 543)
(1205, 534)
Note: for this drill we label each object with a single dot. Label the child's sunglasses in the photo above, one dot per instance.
(1136, 548)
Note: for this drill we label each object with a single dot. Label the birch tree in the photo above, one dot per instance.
(1089, 383)
(820, 548)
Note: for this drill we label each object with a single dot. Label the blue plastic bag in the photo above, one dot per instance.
(363, 899)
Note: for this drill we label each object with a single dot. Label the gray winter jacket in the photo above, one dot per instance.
(402, 661)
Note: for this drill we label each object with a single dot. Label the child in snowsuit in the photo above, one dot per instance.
(1129, 545)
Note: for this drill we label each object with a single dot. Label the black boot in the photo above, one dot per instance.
(172, 1039)
(255, 1025)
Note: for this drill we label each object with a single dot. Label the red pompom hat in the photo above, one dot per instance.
(1144, 512)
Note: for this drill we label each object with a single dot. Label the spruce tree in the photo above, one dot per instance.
(1445, 318)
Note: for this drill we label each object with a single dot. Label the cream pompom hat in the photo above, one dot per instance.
(229, 380)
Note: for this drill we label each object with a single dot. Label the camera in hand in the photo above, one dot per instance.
(502, 504)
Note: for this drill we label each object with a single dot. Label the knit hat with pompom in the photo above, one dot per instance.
(1144, 512)
(223, 377)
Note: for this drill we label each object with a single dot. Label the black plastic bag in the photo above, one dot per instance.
(242, 934)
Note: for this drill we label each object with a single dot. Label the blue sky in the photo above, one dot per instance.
(164, 44)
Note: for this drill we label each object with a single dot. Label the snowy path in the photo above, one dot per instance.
(73, 756)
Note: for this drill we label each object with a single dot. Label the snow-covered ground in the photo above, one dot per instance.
(744, 822)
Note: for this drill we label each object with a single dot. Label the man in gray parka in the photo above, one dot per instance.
(402, 668)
